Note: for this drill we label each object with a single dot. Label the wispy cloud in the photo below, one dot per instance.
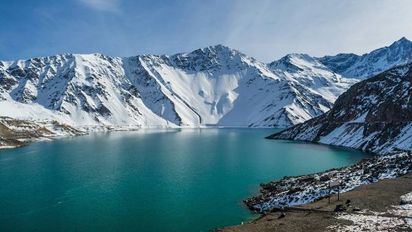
(264, 29)
(103, 5)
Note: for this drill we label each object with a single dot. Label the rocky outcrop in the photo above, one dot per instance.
(14, 133)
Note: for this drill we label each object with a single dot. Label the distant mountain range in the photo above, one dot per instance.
(213, 86)
(370, 64)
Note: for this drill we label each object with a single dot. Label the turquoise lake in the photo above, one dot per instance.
(149, 180)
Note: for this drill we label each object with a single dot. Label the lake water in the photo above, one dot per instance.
(149, 180)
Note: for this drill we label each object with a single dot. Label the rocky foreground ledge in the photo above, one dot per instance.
(299, 190)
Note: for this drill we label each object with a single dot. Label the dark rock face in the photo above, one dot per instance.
(385, 97)
(374, 115)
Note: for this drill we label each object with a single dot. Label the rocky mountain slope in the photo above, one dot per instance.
(215, 86)
(14, 133)
(374, 115)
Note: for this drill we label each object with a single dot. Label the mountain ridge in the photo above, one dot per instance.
(189, 89)
(212, 86)
(371, 63)
(373, 116)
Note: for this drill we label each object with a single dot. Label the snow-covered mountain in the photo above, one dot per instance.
(374, 115)
(210, 86)
(213, 86)
(370, 64)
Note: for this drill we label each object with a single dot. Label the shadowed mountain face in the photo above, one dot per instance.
(210, 86)
(374, 115)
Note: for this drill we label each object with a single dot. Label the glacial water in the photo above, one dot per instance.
(149, 180)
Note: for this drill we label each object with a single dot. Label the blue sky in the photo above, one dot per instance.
(264, 29)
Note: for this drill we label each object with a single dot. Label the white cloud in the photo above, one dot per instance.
(102, 5)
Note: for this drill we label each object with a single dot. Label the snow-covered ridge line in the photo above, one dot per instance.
(215, 86)
(298, 190)
(372, 63)
(212, 86)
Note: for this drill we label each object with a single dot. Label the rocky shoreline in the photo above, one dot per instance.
(16, 133)
(291, 191)
(382, 206)
(375, 194)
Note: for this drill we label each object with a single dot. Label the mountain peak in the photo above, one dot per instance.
(299, 56)
(220, 47)
(210, 51)
(210, 58)
(401, 42)
(293, 62)
(404, 39)
(295, 57)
